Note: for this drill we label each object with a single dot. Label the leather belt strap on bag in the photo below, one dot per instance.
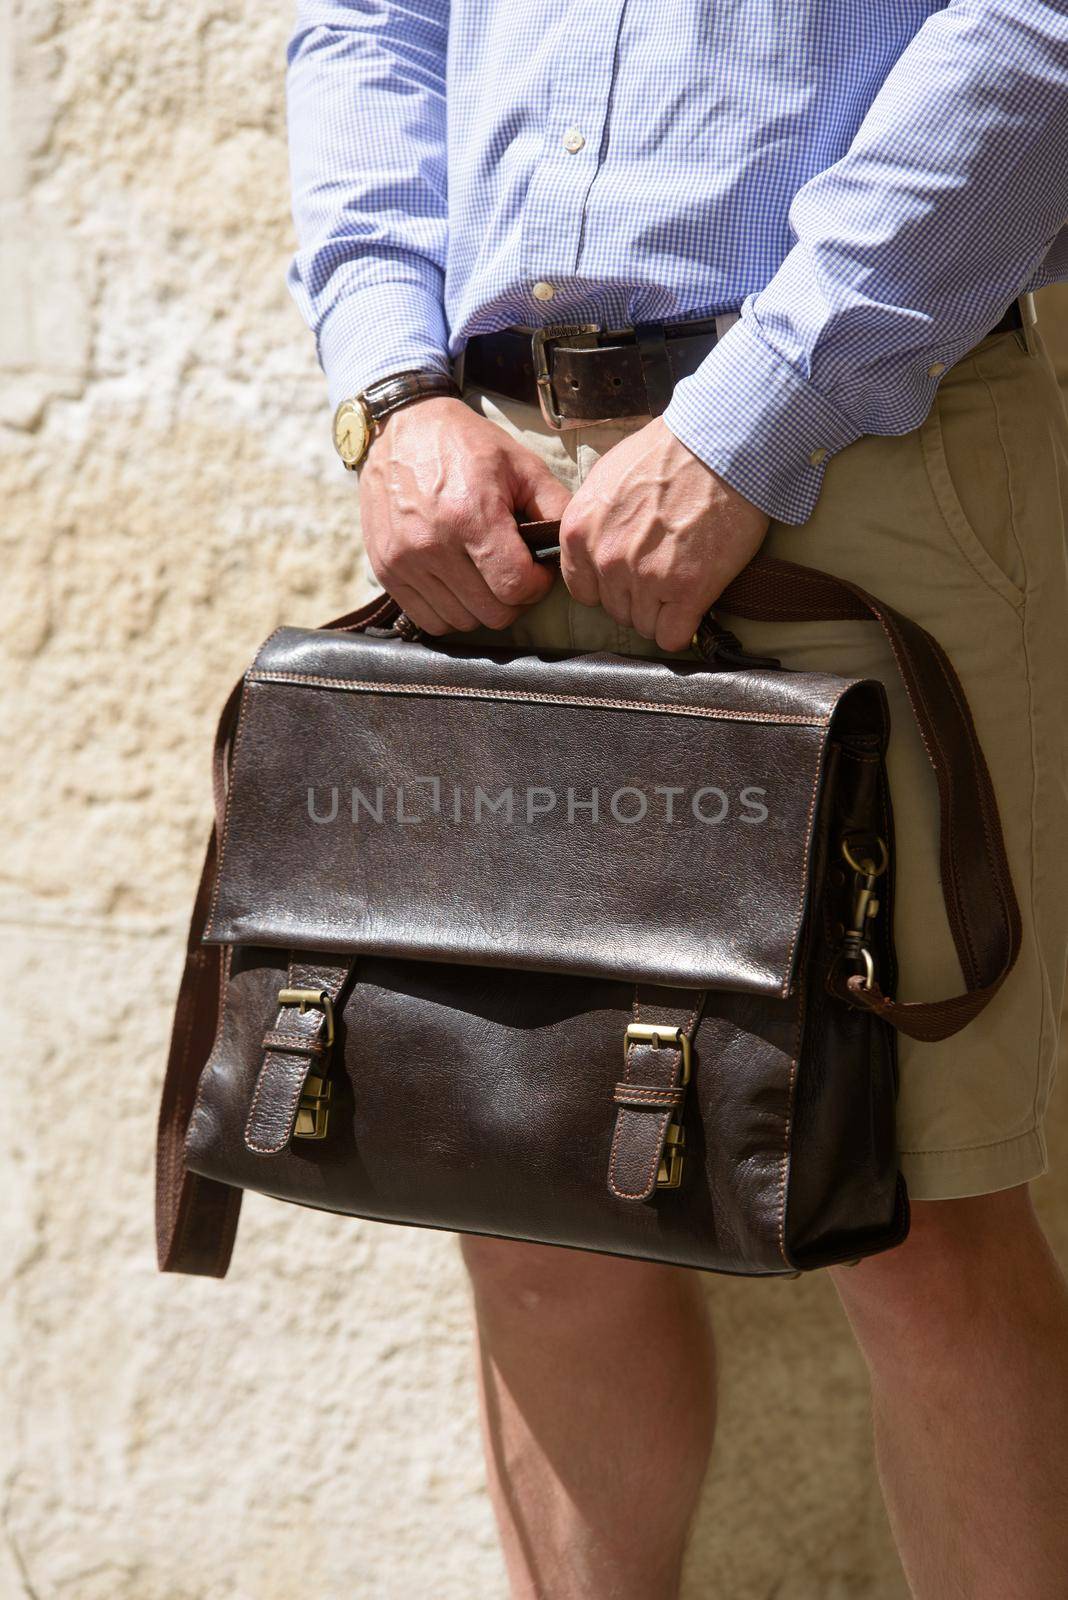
(196, 1218)
(580, 373)
(293, 1089)
(647, 1145)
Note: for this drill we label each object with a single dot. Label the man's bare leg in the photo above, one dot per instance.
(965, 1331)
(598, 1408)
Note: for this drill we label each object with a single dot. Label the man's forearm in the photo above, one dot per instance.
(908, 249)
(366, 112)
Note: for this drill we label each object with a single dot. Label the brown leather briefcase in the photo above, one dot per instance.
(583, 949)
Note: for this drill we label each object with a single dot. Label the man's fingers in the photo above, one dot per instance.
(434, 601)
(415, 607)
(576, 568)
(676, 625)
(645, 610)
(615, 593)
(538, 494)
(505, 566)
(483, 589)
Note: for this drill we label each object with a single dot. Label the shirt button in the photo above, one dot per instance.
(818, 456)
(937, 370)
(543, 290)
(574, 139)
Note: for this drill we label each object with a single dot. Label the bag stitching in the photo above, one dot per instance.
(785, 990)
(650, 1177)
(788, 1132)
(295, 1087)
(369, 686)
(209, 926)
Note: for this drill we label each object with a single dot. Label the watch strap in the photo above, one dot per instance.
(401, 388)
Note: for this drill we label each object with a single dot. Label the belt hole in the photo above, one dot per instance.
(574, 383)
(617, 383)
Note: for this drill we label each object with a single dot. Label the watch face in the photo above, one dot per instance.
(352, 432)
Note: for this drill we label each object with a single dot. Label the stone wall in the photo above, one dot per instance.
(169, 496)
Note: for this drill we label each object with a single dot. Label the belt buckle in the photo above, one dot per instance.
(303, 998)
(541, 340)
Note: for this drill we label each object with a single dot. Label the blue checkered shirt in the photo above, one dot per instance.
(871, 182)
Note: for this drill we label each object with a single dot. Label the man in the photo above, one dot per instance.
(799, 243)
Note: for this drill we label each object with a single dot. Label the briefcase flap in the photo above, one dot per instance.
(597, 814)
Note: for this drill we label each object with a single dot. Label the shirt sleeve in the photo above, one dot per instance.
(365, 95)
(908, 250)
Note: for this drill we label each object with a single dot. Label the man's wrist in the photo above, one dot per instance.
(758, 424)
(357, 420)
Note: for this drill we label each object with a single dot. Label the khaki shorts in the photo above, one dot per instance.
(960, 524)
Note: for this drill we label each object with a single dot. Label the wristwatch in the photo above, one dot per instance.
(355, 420)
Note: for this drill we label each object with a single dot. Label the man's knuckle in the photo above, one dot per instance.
(572, 539)
(611, 561)
(511, 585)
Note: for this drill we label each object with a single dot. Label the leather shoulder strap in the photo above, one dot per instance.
(984, 917)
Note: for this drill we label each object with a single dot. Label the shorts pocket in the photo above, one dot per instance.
(969, 468)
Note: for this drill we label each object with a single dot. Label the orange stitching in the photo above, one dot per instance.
(785, 991)
(296, 1088)
(784, 1170)
(638, 1089)
(275, 1039)
(208, 1067)
(369, 686)
(210, 924)
(650, 1177)
(271, 637)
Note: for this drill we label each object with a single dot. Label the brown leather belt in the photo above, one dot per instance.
(580, 373)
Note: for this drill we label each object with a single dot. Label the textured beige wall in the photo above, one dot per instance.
(168, 497)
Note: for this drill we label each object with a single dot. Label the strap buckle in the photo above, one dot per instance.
(313, 1107)
(662, 1037)
(669, 1172)
(303, 998)
(541, 341)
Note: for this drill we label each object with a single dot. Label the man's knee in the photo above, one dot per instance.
(962, 1259)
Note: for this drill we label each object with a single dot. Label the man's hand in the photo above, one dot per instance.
(441, 491)
(655, 536)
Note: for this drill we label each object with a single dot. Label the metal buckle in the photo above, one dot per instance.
(303, 998)
(669, 1172)
(661, 1037)
(541, 339)
(313, 1108)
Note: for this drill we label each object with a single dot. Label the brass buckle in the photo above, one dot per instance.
(661, 1037)
(669, 1172)
(541, 339)
(313, 1107)
(303, 998)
